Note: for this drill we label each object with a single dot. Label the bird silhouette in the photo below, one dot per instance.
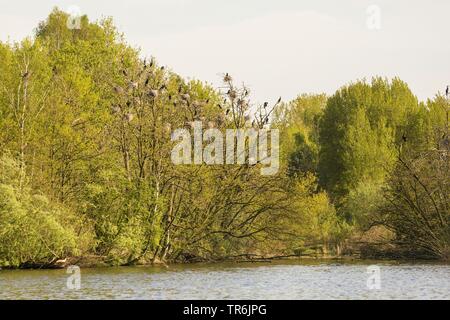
(153, 93)
(185, 97)
(404, 138)
(447, 91)
(61, 262)
(266, 104)
(279, 100)
(227, 77)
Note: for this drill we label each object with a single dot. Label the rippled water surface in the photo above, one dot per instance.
(278, 280)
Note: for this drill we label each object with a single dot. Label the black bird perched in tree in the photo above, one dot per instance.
(153, 93)
(279, 100)
(266, 104)
(227, 77)
(254, 164)
(147, 81)
(447, 92)
(185, 97)
(162, 68)
(151, 63)
(228, 111)
(404, 137)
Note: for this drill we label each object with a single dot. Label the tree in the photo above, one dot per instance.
(33, 230)
(362, 126)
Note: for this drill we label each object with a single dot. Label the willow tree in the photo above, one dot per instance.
(362, 126)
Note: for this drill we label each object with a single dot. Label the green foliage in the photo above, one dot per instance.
(363, 203)
(417, 207)
(299, 124)
(88, 123)
(359, 131)
(313, 219)
(32, 229)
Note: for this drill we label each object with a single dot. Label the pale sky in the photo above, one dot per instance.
(278, 47)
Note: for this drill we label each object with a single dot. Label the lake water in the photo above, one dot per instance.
(277, 280)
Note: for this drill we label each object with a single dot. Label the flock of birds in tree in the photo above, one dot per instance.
(262, 117)
(235, 105)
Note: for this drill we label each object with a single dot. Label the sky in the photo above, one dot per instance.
(277, 48)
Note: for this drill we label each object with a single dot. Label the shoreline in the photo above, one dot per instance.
(236, 262)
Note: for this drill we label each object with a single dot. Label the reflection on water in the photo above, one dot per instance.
(278, 280)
